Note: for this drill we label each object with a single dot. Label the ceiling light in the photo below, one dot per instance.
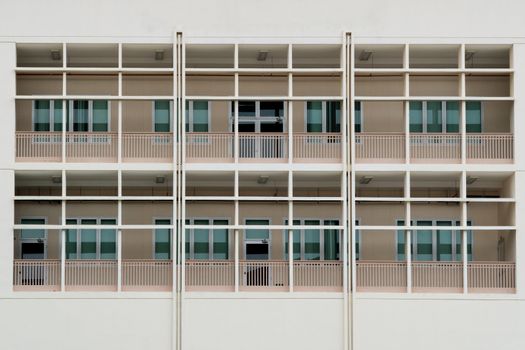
(365, 180)
(160, 179)
(57, 179)
(55, 55)
(261, 180)
(159, 55)
(365, 55)
(471, 179)
(469, 55)
(262, 55)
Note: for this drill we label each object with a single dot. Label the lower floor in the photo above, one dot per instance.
(210, 321)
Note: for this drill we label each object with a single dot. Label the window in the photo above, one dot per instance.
(434, 116)
(314, 244)
(197, 116)
(473, 117)
(323, 116)
(358, 124)
(357, 242)
(162, 243)
(259, 116)
(434, 244)
(162, 116)
(91, 243)
(47, 115)
(207, 244)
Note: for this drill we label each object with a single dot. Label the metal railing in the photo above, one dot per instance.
(210, 274)
(147, 147)
(435, 147)
(491, 276)
(385, 147)
(36, 274)
(437, 275)
(209, 147)
(317, 274)
(263, 274)
(91, 274)
(317, 146)
(490, 146)
(381, 276)
(147, 274)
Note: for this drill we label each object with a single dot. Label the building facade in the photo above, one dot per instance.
(168, 186)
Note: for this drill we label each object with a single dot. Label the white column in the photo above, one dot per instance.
(290, 106)
(290, 231)
(406, 66)
(408, 233)
(463, 222)
(236, 106)
(462, 106)
(62, 260)
(119, 260)
(65, 105)
(119, 112)
(236, 254)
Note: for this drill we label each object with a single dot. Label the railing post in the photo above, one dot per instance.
(290, 259)
(63, 260)
(236, 255)
(119, 260)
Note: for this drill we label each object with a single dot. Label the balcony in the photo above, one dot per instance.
(434, 148)
(432, 276)
(158, 147)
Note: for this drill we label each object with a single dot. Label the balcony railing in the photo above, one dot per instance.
(320, 275)
(99, 275)
(436, 276)
(380, 147)
(139, 275)
(214, 275)
(434, 148)
(385, 276)
(263, 274)
(147, 147)
(318, 146)
(36, 275)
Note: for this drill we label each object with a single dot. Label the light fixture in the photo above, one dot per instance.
(365, 55)
(469, 55)
(56, 179)
(159, 55)
(55, 55)
(263, 179)
(262, 55)
(471, 179)
(160, 179)
(365, 180)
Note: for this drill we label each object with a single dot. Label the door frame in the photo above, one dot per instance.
(245, 240)
(32, 240)
(257, 119)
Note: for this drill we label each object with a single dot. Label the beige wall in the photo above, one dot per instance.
(486, 85)
(384, 116)
(147, 85)
(421, 85)
(92, 84)
(379, 85)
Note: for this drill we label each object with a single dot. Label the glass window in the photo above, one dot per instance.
(401, 256)
(88, 240)
(434, 116)
(187, 240)
(162, 116)
(452, 116)
(200, 116)
(312, 241)
(246, 108)
(272, 108)
(473, 118)
(71, 240)
(357, 242)
(41, 115)
(162, 240)
(257, 233)
(444, 242)
(459, 243)
(424, 242)
(333, 116)
(357, 117)
(100, 116)
(416, 116)
(220, 241)
(108, 240)
(80, 115)
(201, 238)
(57, 115)
(314, 116)
(33, 233)
(331, 241)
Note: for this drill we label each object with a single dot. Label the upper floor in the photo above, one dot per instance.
(279, 103)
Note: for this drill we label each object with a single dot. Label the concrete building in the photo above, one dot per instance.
(286, 175)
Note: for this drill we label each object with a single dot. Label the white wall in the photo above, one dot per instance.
(261, 323)
(437, 324)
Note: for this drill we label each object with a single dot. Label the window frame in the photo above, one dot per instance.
(302, 239)
(434, 228)
(51, 114)
(190, 255)
(153, 237)
(153, 116)
(189, 116)
(444, 116)
(324, 115)
(70, 118)
(97, 237)
(257, 119)
(32, 240)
